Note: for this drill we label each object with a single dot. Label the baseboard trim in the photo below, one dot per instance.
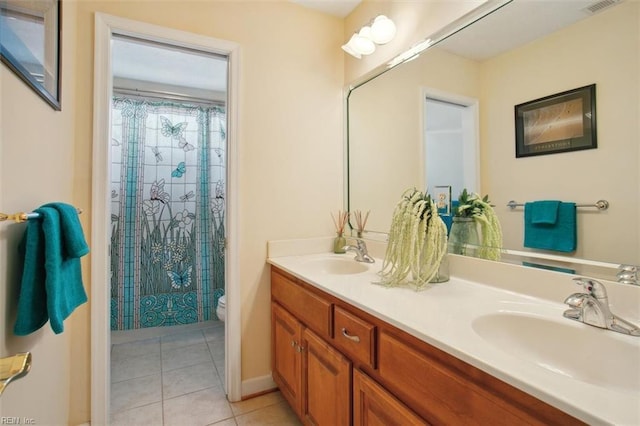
(258, 385)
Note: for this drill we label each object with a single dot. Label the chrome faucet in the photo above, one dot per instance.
(592, 307)
(362, 255)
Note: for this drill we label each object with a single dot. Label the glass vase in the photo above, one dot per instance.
(338, 243)
(464, 238)
(443, 271)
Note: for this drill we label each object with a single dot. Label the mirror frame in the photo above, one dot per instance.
(51, 41)
(455, 26)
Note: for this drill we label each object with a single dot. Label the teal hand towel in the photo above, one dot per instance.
(51, 285)
(73, 242)
(32, 302)
(559, 236)
(544, 212)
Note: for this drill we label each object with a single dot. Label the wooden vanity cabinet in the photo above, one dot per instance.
(338, 365)
(313, 377)
(326, 383)
(373, 405)
(286, 339)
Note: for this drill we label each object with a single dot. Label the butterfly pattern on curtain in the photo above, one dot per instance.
(167, 210)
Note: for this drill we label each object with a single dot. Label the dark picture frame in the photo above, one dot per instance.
(30, 45)
(557, 123)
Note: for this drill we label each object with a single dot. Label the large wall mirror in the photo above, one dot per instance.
(30, 44)
(446, 118)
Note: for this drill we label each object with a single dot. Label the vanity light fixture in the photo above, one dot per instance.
(381, 31)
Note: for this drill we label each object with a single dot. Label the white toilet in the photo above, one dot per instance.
(222, 307)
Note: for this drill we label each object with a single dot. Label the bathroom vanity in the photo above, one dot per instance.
(346, 351)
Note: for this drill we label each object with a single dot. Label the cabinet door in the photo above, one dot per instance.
(287, 356)
(374, 406)
(326, 383)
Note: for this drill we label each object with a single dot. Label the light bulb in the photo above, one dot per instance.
(362, 42)
(383, 30)
(350, 49)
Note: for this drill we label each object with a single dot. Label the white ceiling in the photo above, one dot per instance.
(339, 8)
(516, 24)
(146, 61)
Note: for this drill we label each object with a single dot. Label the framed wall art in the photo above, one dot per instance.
(442, 198)
(558, 123)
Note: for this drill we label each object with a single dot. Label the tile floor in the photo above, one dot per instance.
(175, 376)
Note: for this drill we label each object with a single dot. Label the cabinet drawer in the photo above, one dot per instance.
(312, 310)
(354, 336)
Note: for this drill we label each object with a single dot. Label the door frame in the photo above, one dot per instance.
(471, 134)
(105, 27)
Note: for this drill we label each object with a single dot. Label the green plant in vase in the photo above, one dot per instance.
(473, 210)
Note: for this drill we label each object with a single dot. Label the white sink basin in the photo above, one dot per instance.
(334, 265)
(589, 354)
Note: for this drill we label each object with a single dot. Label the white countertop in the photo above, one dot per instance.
(443, 316)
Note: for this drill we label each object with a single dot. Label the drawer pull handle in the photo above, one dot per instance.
(294, 343)
(346, 334)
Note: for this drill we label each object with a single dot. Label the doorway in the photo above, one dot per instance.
(175, 215)
(450, 135)
(168, 185)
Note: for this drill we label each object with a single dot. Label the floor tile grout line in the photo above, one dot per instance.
(256, 409)
(181, 347)
(215, 365)
(189, 393)
(136, 408)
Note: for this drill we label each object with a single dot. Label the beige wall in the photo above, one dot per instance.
(290, 125)
(290, 154)
(603, 50)
(291, 85)
(37, 152)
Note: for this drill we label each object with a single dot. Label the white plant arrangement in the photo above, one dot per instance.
(473, 206)
(417, 242)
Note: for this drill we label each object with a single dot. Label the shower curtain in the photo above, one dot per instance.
(167, 212)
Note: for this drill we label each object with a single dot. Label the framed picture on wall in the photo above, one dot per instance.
(443, 199)
(30, 45)
(557, 123)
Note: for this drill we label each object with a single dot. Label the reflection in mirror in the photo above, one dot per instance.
(521, 52)
(29, 44)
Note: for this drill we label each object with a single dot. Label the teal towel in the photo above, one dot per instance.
(51, 286)
(73, 242)
(544, 212)
(559, 236)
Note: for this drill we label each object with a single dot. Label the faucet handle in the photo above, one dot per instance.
(362, 246)
(627, 274)
(628, 268)
(593, 287)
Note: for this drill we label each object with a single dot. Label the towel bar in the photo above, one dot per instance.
(23, 217)
(600, 205)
